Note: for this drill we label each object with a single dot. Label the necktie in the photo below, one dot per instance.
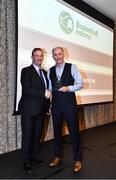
(41, 75)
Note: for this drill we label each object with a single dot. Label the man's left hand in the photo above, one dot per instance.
(64, 89)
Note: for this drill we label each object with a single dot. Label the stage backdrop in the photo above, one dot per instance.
(87, 43)
(10, 130)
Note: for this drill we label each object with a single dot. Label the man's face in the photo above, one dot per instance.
(58, 56)
(37, 57)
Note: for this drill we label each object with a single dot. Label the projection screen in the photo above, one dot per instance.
(86, 42)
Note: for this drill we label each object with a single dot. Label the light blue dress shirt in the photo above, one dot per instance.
(78, 82)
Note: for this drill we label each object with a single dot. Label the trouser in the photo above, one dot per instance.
(69, 113)
(31, 135)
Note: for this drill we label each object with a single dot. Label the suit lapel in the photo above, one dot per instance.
(35, 73)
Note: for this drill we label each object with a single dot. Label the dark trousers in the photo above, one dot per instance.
(69, 113)
(31, 135)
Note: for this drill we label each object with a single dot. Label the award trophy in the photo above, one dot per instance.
(58, 84)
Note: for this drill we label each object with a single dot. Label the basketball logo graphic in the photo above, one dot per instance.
(66, 22)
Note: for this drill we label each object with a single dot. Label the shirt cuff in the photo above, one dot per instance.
(70, 88)
(46, 93)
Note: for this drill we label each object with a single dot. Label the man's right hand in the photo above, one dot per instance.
(48, 93)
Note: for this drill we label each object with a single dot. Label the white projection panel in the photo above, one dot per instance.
(87, 43)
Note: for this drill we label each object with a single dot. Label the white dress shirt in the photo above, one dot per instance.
(37, 68)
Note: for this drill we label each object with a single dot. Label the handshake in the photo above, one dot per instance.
(48, 93)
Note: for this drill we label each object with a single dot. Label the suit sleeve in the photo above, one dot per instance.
(26, 85)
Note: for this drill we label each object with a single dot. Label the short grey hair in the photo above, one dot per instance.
(58, 47)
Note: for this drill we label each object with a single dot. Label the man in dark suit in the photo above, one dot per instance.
(33, 106)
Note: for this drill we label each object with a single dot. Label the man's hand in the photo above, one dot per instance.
(64, 89)
(47, 93)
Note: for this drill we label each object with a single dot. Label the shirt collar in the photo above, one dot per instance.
(36, 67)
(61, 66)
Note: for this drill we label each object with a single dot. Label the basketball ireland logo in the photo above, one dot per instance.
(66, 22)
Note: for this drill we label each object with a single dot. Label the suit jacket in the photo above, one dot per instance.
(33, 99)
